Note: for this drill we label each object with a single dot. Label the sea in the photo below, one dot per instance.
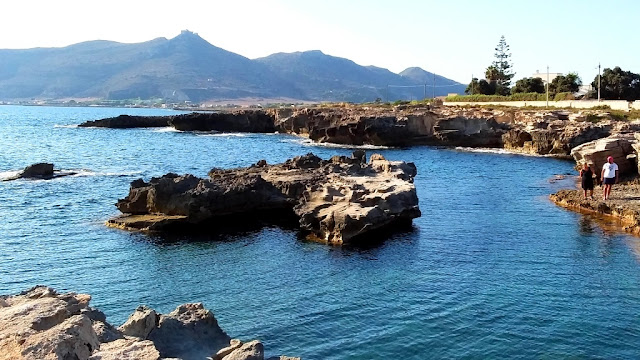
(491, 270)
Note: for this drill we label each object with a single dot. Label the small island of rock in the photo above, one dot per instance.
(336, 201)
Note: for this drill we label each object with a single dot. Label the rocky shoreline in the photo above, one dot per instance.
(335, 201)
(623, 207)
(43, 324)
(624, 204)
(540, 132)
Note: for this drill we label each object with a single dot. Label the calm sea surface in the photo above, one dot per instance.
(491, 270)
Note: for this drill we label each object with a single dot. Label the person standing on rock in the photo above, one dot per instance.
(609, 176)
(587, 179)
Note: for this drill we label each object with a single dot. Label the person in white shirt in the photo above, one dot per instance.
(609, 176)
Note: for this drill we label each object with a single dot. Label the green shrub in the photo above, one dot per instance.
(563, 96)
(593, 118)
(484, 98)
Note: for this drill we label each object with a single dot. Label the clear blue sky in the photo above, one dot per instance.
(452, 38)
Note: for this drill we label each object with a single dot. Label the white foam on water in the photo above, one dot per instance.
(166, 129)
(85, 172)
(9, 174)
(309, 142)
(495, 151)
(72, 126)
(225, 135)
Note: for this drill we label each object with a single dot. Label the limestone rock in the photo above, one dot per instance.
(596, 153)
(140, 323)
(253, 350)
(343, 208)
(106, 332)
(336, 200)
(41, 324)
(233, 345)
(189, 332)
(127, 349)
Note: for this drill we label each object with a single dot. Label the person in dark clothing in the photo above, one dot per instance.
(587, 179)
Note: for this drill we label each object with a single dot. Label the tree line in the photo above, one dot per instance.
(615, 84)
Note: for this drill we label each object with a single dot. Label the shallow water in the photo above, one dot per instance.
(492, 269)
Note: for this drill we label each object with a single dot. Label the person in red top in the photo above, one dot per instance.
(609, 176)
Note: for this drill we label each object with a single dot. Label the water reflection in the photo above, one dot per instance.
(586, 225)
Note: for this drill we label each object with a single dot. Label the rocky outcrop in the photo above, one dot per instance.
(341, 208)
(40, 171)
(391, 127)
(336, 200)
(553, 138)
(251, 121)
(42, 324)
(620, 147)
(255, 121)
(557, 133)
(129, 122)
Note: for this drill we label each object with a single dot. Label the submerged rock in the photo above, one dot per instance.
(41, 171)
(336, 200)
(42, 324)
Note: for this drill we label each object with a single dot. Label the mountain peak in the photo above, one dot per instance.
(187, 36)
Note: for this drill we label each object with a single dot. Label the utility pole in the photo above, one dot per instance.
(547, 85)
(434, 86)
(471, 84)
(425, 91)
(598, 82)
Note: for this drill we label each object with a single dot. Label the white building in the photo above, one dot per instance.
(543, 76)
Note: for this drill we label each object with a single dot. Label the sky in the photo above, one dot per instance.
(455, 39)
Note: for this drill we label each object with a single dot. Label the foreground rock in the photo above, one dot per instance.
(42, 324)
(41, 171)
(337, 200)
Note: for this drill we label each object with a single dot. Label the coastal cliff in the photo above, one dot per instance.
(43, 324)
(336, 201)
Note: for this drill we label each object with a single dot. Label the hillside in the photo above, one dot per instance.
(187, 67)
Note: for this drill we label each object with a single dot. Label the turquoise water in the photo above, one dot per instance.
(491, 270)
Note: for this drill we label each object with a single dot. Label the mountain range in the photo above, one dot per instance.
(188, 67)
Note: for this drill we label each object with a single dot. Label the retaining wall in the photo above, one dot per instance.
(578, 104)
